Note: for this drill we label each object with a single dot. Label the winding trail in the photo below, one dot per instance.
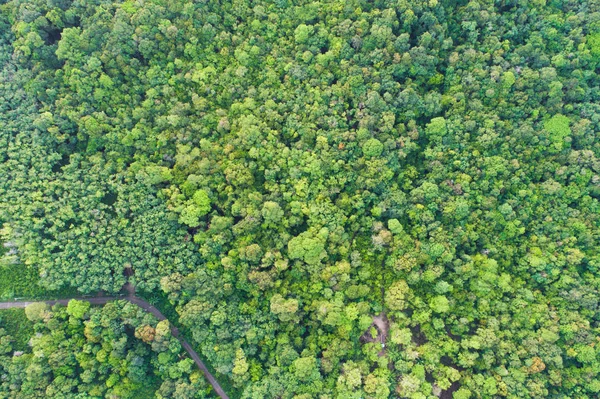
(101, 300)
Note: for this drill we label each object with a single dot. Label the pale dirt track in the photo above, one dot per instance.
(101, 300)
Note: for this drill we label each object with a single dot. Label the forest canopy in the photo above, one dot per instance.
(341, 199)
(78, 351)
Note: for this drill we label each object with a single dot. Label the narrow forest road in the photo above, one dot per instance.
(101, 300)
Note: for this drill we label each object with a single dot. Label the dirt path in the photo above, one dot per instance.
(147, 307)
(383, 325)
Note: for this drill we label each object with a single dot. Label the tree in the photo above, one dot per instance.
(302, 33)
(284, 308)
(36, 311)
(439, 304)
(240, 367)
(272, 213)
(307, 247)
(78, 309)
(198, 206)
(305, 369)
(461, 393)
(436, 129)
(397, 295)
(559, 130)
(372, 148)
(593, 42)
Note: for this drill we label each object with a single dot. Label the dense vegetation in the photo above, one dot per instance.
(116, 351)
(286, 171)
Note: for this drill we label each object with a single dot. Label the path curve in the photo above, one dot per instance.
(102, 300)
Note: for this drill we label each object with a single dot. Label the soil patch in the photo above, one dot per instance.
(382, 326)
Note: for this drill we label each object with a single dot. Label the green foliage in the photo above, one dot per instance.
(558, 127)
(198, 206)
(372, 148)
(303, 181)
(284, 308)
(302, 33)
(508, 79)
(396, 295)
(78, 309)
(99, 357)
(272, 213)
(593, 42)
(36, 311)
(436, 129)
(18, 326)
(202, 202)
(462, 393)
(306, 247)
(23, 281)
(305, 369)
(439, 304)
(395, 226)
